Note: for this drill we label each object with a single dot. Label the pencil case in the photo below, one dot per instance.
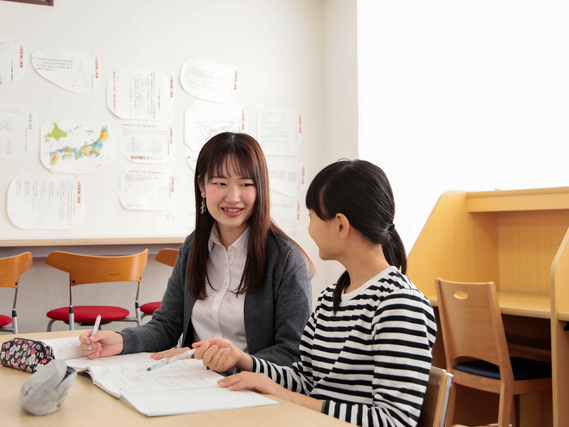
(25, 355)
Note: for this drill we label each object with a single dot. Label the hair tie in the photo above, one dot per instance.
(391, 227)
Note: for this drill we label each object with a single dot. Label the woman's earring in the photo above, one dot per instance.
(203, 207)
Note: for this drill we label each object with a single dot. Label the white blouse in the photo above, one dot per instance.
(221, 314)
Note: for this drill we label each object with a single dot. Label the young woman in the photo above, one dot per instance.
(366, 350)
(237, 275)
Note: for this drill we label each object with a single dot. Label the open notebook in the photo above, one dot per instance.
(180, 387)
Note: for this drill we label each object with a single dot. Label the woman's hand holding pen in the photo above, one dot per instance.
(104, 344)
(219, 354)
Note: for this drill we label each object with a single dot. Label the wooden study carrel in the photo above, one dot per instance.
(517, 239)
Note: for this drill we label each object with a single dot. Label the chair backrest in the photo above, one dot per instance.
(435, 404)
(84, 269)
(472, 325)
(167, 256)
(12, 267)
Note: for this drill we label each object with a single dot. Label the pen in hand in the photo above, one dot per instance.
(164, 362)
(95, 329)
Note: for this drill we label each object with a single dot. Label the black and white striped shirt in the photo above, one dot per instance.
(369, 362)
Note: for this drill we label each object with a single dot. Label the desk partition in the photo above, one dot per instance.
(560, 333)
(518, 240)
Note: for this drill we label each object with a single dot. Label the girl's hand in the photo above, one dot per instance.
(256, 382)
(263, 384)
(219, 354)
(169, 353)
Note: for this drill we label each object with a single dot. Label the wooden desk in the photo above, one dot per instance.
(518, 239)
(518, 304)
(86, 402)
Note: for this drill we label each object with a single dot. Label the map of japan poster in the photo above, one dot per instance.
(69, 146)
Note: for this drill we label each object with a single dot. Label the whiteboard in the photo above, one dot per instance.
(278, 57)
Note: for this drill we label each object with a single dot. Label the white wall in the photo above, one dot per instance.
(280, 47)
(463, 96)
(340, 102)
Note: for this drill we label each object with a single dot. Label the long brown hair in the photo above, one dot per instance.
(244, 154)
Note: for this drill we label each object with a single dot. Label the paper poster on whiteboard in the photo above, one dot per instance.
(204, 120)
(147, 188)
(279, 131)
(192, 159)
(13, 62)
(210, 82)
(288, 178)
(45, 202)
(139, 94)
(72, 146)
(18, 131)
(286, 213)
(146, 142)
(72, 70)
(185, 219)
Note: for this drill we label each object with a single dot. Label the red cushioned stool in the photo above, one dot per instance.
(10, 270)
(86, 269)
(168, 257)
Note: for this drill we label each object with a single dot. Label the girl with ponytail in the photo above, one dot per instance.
(366, 350)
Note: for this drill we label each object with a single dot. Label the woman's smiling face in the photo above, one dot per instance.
(230, 199)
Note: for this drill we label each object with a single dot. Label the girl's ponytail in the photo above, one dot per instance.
(394, 251)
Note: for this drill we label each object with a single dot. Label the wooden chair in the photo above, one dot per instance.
(10, 270)
(168, 257)
(476, 350)
(86, 269)
(435, 404)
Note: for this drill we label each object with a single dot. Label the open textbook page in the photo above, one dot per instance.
(175, 402)
(65, 348)
(127, 374)
(181, 387)
(69, 349)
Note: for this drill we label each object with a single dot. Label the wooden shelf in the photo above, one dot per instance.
(527, 305)
(519, 200)
(93, 242)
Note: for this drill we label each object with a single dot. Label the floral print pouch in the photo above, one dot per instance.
(25, 355)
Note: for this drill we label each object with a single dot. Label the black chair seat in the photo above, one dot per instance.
(524, 369)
